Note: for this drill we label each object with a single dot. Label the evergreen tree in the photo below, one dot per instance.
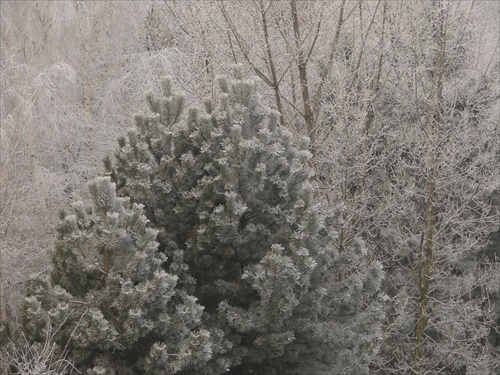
(109, 302)
(230, 194)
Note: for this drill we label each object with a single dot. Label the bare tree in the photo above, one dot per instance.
(434, 190)
(290, 45)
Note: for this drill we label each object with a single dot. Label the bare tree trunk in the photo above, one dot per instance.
(270, 62)
(425, 274)
(302, 67)
(331, 55)
(432, 124)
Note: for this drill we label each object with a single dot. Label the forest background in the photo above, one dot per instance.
(399, 99)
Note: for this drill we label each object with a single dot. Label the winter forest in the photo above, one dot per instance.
(250, 187)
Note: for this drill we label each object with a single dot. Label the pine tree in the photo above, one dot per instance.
(230, 193)
(109, 303)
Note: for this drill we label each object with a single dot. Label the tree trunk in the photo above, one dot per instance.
(431, 133)
(302, 67)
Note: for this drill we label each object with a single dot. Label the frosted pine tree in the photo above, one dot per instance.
(110, 304)
(230, 193)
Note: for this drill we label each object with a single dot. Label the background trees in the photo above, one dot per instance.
(446, 185)
(370, 144)
(71, 79)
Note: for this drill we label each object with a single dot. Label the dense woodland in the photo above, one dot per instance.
(250, 187)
